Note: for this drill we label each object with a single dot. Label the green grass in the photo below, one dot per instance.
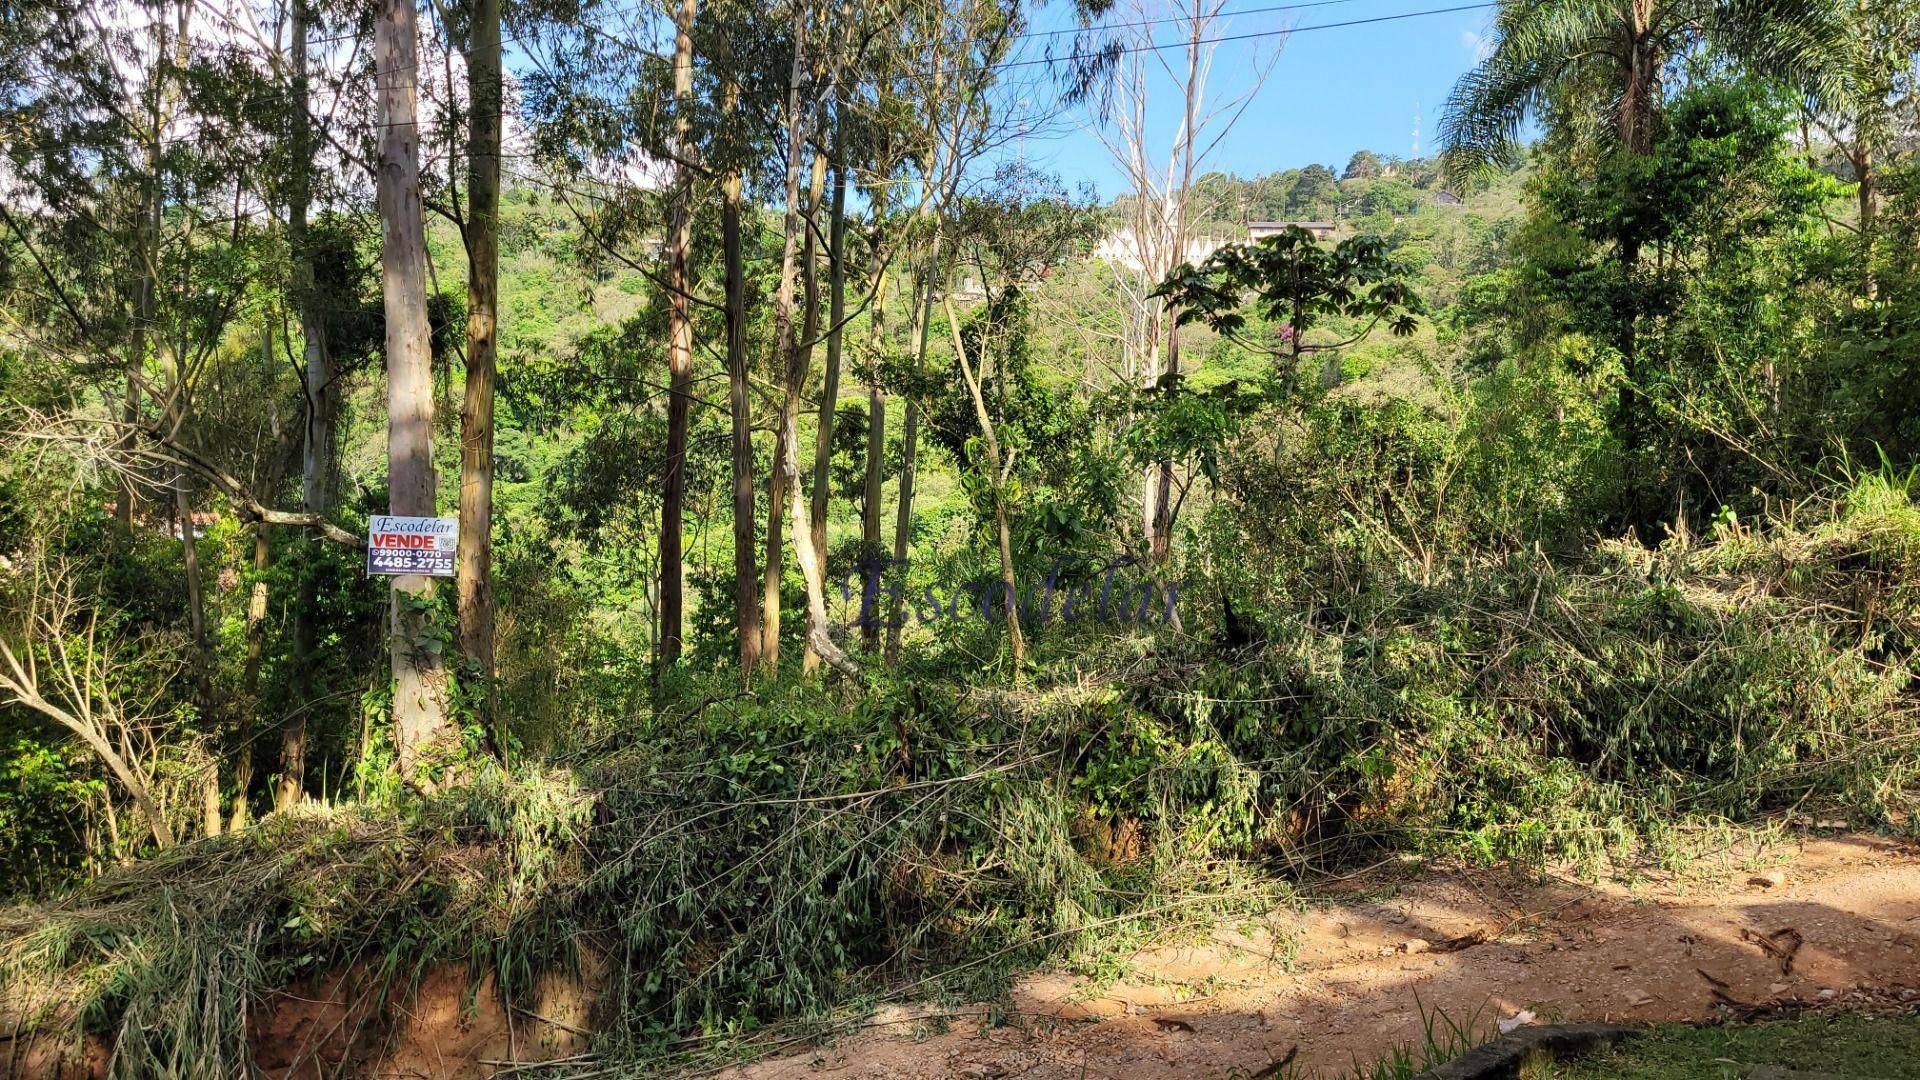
(1841, 1045)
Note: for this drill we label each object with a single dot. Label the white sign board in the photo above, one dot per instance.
(412, 545)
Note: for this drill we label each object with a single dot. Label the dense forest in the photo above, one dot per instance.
(884, 565)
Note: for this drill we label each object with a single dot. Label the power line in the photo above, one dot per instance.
(1031, 35)
(1222, 14)
(1226, 38)
(1092, 54)
(1082, 54)
(1086, 54)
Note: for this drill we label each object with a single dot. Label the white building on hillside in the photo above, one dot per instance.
(1123, 247)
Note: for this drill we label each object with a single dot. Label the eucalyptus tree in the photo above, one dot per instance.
(424, 737)
(829, 45)
(325, 283)
(679, 294)
(816, 538)
(888, 172)
(641, 140)
(485, 98)
(135, 199)
(872, 137)
(803, 106)
(964, 113)
(746, 76)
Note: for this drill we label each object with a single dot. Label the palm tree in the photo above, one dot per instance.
(1613, 55)
(1858, 113)
(1611, 58)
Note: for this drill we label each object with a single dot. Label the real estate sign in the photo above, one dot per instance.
(412, 545)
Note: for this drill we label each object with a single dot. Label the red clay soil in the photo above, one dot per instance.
(1366, 964)
(449, 1028)
(1345, 980)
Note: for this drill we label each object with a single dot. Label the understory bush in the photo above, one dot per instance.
(734, 859)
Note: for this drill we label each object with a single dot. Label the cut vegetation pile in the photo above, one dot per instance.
(738, 860)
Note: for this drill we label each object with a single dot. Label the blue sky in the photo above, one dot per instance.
(1329, 93)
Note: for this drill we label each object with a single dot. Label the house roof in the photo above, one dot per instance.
(1284, 224)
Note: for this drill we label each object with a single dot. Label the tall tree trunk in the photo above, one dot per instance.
(203, 659)
(996, 480)
(143, 311)
(903, 526)
(1635, 129)
(784, 351)
(872, 493)
(316, 456)
(474, 570)
(1626, 337)
(830, 384)
(422, 734)
(147, 255)
(799, 365)
(1158, 494)
(746, 598)
(909, 449)
(1641, 92)
(819, 643)
(196, 593)
(174, 363)
(130, 411)
(256, 624)
(679, 348)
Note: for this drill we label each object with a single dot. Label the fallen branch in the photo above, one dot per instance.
(250, 509)
(164, 448)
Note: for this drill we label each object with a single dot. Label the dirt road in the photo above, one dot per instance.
(1351, 976)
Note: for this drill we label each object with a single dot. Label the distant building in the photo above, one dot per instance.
(1321, 230)
(1448, 198)
(1124, 248)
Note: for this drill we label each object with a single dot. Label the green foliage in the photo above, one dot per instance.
(1559, 555)
(44, 787)
(757, 857)
(1292, 280)
(1841, 1042)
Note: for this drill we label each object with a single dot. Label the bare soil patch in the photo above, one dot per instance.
(1355, 972)
(1349, 977)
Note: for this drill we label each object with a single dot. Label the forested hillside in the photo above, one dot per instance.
(874, 566)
